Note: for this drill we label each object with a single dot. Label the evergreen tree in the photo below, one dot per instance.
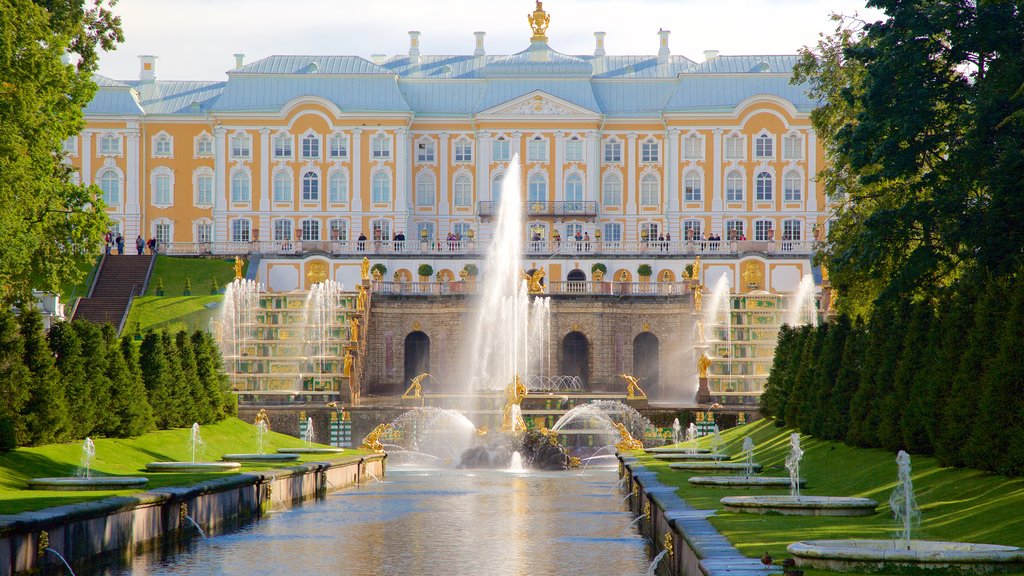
(15, 380)
(912, 435)
(798, 406)
(200, 406)
(933, 384)
(864, 415)
(181, 406)
(46, 412)
(847, 382)
(829, 362)
(153, 364)
(211, 374)
(776, 390)
(67, 348)
(890, 401)
(138, 417)
(94, 353)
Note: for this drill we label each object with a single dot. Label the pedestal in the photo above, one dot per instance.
(703, 392)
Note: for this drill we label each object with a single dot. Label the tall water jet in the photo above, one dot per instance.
(793, 464)
(902, 501)
(714, 328)
(691, 437)
(801, 309)
(508, 328)
(309, 436)
(195, 442)
(676, 430)
(88, 453)
(748, 456)
(323, 330)
(716, 439)
(238, 319)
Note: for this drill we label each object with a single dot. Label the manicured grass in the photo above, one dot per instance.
(172, 313)
(173, 270)
(956, 504)
(128, 457)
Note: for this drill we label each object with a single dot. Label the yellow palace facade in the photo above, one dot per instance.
(625, 160)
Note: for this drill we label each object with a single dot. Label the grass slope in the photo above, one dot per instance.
(173, 271)
(171, 313)
(956, 504)
(128, 457)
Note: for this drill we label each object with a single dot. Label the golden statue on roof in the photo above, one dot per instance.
(539, 21)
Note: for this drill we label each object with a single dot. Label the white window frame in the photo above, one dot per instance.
(163, 230)
(537, 187)
(693, 186)
(651, 229)
(282, 185)
(163, 145)
(283, 146)
(764, 146)
(384, 225)
(693, 147)
(426, 190)
(792, 230)
(337, 146)
(650, 190)
(575, 185)
(377, 179)
(732, 226)
(110, 144)
(612, 232)
(462, 191)
(236, 192)
(501, 150)
(308, 226)
(381, 147)
(311, 146)
(792, 186)
(613, 151)
(497, 181)
(537, 149)
(611, 190)
(463, 150)
(282, 230)
(116, 177)
(70, 146)
(650, 151)
(793, 147)
(203, 145)
(574, 149)
(761, 228)
(241, 229)
(426, 151)
(735, 185)
(764, 186)
(734, 147)
(339, 225)
(697, 227)
(241, 146)
(160, 177)
(202, 231)
(311, 185)
(337, 187)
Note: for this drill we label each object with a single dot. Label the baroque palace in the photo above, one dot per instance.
(314, 162)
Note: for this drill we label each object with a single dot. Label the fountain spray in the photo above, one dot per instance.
(793, 464)
(902, 501)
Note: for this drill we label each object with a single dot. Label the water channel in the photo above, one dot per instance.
(430, 522)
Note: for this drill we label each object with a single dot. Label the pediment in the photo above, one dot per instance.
(538, 103)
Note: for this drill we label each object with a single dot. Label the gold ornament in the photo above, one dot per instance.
(539, 22)
(753, 276)
(316, 272)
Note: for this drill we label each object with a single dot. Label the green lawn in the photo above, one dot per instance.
(172, 313)
(173, 270)
(128, 457)
(956, 504)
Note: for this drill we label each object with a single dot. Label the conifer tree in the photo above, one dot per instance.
(909, 427)
(847, 382)
(15, 380)
(798, 406)
(67, 348)
(153, 364)
(864, 415)
(829, 362)
(46, 412)
(888, 406)
(211, 374)
(776, 389)
(138, 418)
(201, 409)
(94, 355)
(181, 405)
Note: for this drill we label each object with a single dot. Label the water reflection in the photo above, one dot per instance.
(445, 522)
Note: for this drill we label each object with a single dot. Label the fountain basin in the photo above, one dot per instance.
(713, 466)
(269, 458)
(743, 481)
(192, 466)
(708, 456)
(676, 450)
(310, 450)
(869, 555)
(801, 505)
(98, 483)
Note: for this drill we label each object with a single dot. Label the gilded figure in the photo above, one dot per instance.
(512, 420)
(703, 363)
(633, 391)
(627, 442)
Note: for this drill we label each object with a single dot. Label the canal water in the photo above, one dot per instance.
(431, 522)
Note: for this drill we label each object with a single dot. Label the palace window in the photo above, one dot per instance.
(734, 147)
(338, 147)
(110, 184)
(650, 192)
(463, 150)
(734, 186)
(425, 190)
(791, 230)
(381, 229)
(692, 229)
(241, 186)
(162, 189)
(71, 145)
(574, 150)
(763, 147)
(311, 230)
(612, 190)
(733, 229)
(538, 188)
(381, 147)
(461, 229)
(283, 230)
(204, 189)
(163, 145)
(338, 230)
(310, 187)
(204, 145)
(110, 144)
(282, 146)
(162, 232)
(425, 150)
(613, 151)
(282, 186)
(692, 187)
(762, 230)
(310, 147)
(241, 230)
(241, 146)
(764, 187)
(649, 151)
(204, 231)
(792, 148)
(381, 188)
(649, 231)
(612, 232)
(500, 150)
(574, 188)
(792, 186)
(496, 184)
(692, 147)
(537, 150)
(462, 191)
(337, 187)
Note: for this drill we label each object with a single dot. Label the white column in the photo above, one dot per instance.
(483, 165)
(630, 152)
(559, 159)
(672, 170)
(220, 217)
(86, 154)
(357, 175)
(132, 197)
(401, 178)
(716, 166)
(812, 171)
(593, 165)
(264, 205)
(442, 162)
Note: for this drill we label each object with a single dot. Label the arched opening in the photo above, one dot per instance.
(576, 357)
(417, 356)
(645, 361)
(576, 281)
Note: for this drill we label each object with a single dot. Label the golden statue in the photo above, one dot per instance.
(695, 269)
(700, 331)
(361, 298)
(703, 363)
(372, 440)
(482, 431)
(514, 394)
(353, 325)
(364, 268)
(627, 441)
(415, 389)
(533, 285)
(261, 416)
(574, 461)
(824, 274)
(633, 391)
(347, 366)
(539, 22)
(753, 276)
(238, 268)
(698, 297)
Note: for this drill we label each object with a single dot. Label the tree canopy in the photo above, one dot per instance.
(49, 224)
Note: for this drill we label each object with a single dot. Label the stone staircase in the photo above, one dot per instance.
(119, 279)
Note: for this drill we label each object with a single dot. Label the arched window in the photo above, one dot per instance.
(649, 150)
(203, 181)
(163, 146)
(163, 195)
(462, 191)
(110, 183)
(649, 193)
(792, 186)
(734, 186)
(538, 188)
(496, 184)
(574, 188)
(310, 147)
(241, 187)
(763, 147)
(311, 186)
(612, 189)
(204, 145)
(763, 186)
(425, 190)
(282, 186)
(692, 187)
(381, 188)
(337, 187)
(110, 144)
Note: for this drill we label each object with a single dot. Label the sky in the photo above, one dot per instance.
(196, 39)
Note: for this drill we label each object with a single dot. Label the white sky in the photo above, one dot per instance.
(195, 39)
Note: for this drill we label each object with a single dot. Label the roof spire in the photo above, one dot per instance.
(539, 21)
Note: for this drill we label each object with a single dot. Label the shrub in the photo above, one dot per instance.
(425, 270)
(379, 268)
(214, 286)
(598, 266)
(644, 270)
(159, 286)
(188, 287)
(471, 269)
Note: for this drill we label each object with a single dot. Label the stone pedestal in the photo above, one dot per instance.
(703, 392)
